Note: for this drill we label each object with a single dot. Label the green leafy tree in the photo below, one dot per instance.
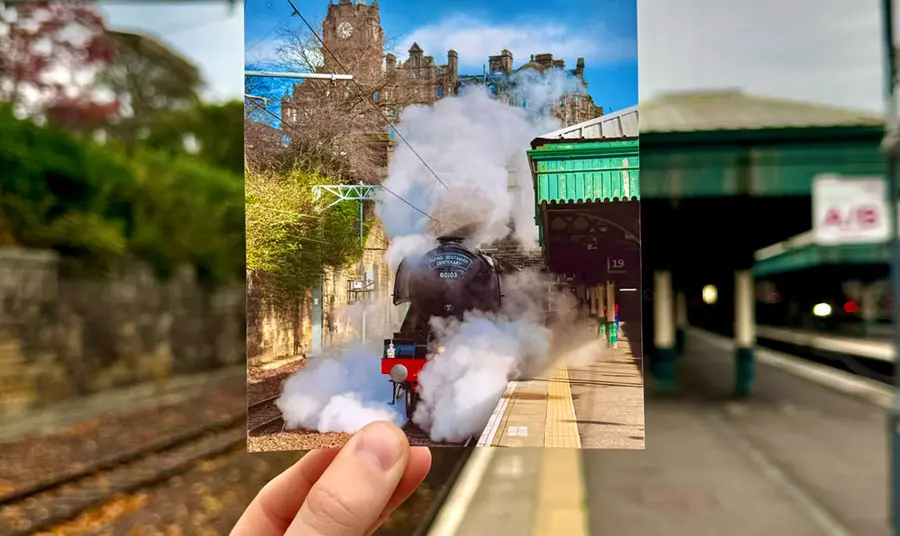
(147, 77)
(60, 193)
(100, 208)
(293, 237)
(188, 213)
(215, 131)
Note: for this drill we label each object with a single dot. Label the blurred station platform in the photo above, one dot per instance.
(803, 455)
(593, 405)
(873, 346)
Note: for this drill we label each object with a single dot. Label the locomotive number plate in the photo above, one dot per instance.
(449, 275)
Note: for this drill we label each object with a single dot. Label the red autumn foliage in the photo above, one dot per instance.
(44, 55)
(80, 113)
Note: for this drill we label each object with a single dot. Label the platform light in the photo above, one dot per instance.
(710, 294)
(822, 309)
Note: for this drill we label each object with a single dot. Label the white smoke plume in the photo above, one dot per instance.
(476, 145)
(338, 394)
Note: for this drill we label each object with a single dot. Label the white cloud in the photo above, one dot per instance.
(475, 41)
(823, 51)
(210, 35)
(264, 52)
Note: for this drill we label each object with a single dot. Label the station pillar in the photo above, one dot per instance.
(744, 332)
(664, 354)
(600, 294)
(680, 321)
(612, 326)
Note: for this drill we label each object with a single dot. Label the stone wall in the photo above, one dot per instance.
(63, 338)
(346, 311)
(285, 331)
(276, 331)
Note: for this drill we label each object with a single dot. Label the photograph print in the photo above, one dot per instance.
(443, 223)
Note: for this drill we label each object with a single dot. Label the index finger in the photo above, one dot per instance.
(274, 508)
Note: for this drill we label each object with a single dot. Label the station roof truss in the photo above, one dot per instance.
(803, 253)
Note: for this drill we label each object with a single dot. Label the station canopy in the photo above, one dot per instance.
(587, 188)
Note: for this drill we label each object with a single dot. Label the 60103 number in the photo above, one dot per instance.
(449, 275)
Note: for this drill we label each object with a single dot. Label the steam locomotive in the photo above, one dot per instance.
(445, 282)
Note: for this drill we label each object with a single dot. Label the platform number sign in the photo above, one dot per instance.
(850, 210)
(616, 265)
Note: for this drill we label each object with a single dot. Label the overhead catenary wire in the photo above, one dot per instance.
(267, 34)
(382, 186)
(365, 96)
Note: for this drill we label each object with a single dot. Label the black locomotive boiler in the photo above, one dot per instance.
(447, 281)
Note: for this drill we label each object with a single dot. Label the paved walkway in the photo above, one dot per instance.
(797, 458)
(880, 349)
(599, 404)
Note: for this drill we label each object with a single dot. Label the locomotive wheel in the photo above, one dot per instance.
(412, 397)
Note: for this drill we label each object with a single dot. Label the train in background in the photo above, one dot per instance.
(447, 281)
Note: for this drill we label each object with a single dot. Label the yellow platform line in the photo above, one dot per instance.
(561, 430)
(561, 496)
(561, 503)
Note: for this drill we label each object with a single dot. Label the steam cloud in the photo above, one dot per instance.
(337, 394)
(476, 145)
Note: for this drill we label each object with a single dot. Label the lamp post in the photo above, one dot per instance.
(891, 148)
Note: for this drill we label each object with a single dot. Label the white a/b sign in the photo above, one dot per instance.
(850, 210)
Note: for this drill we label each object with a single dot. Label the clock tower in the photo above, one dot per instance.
(352, 31)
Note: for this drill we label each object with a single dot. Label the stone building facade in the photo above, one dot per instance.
(352, 30)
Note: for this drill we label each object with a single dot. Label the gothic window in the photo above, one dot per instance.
(437, 92)
(416, 75)
(375, 96)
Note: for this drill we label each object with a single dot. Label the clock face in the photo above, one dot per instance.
(345, 30)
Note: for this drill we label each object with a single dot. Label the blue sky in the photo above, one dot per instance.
(604, 32)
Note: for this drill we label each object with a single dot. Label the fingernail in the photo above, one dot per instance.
(381, 445)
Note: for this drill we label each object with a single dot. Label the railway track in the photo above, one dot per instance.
(434, 509)
(264, 415)
(49, 502)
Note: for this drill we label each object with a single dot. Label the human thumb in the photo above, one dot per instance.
(353, 492)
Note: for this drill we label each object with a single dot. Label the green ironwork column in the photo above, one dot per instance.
(612, 326)
(664, 354)
(744, 332)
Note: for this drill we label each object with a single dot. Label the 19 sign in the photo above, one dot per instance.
(616, 265)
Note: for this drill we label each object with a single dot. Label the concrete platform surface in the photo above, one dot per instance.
(592, 404)
(797, 458)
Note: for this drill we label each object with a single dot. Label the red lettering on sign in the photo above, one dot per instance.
(864, 216)
(867, 216)
(832, 217)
